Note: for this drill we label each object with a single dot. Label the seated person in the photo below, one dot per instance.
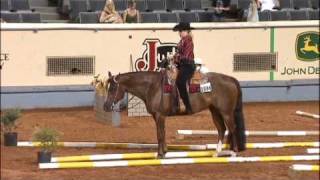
(221, 5)
(109, 14)
(131, 15)
(264, 5)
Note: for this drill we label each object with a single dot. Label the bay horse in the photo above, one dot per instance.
(224, 103)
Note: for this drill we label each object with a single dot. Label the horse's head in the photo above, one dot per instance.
(115, 92)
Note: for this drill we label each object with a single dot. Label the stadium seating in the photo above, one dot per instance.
(11, 17)
(243, 4)
(89, 17)
(20, 5)
(77, 6)
(264, 16)
(31, 17)
(315, 4)
(168, 17)
(205, 16)
(141, 5)
(174, 5)
(5, 5)
(96, 5)
(165, 11)
(148, 17)
(285, 4)
(156, 5)
(192, 5)
(301, 4)
(313, 14)
(280, 15)
(298, 15)
(120, 5)
(187, 17)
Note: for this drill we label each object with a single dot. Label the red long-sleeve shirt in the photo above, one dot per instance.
(185, 49)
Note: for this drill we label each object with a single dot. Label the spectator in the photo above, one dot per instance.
(109, 14)
(253, 15)
(268, 5)
(221, 5)
(131, 15)
(223, 9)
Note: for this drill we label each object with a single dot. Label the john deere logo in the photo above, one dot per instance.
(307, 46)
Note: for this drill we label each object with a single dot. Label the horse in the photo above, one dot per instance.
(224, 103)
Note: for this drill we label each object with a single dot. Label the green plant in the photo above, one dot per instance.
(9, 118)
(47, 137)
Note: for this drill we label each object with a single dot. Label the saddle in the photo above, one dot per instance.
(194, 83)
(197, 84)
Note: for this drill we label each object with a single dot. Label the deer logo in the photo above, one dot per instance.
(307, 46)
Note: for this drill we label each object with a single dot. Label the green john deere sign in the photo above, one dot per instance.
(307, 46)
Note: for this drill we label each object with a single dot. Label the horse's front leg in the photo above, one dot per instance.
(161, 135)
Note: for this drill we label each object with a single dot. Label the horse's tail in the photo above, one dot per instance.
(239, 121)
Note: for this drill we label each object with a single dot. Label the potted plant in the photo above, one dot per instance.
(48, 139)
(8, 124)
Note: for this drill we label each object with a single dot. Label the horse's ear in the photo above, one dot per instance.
(110, 75)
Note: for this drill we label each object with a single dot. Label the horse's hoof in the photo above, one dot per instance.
(226, 154)
(161, 156)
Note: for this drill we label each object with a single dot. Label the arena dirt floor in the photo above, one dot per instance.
(79, 124)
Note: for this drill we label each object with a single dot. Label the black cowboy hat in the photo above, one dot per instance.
(182, 26)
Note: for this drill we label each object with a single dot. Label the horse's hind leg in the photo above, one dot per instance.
(218, 121)
(161, 134)
(230, 123)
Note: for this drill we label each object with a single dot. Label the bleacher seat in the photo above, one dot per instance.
(155, 5)
(280, 15)
(301, 4)
(315, 4)
(5, 5)
(264, 15)
(298, 15)
(313, 14)
(148, 17)
(205, 16)
(96, 5)
(11, 17)
(89, 17)
(168, 17)
(187, 17)
(243, 4)
(31, 17)
(174, 5)
(120, 5)
(20, 5)
(285, 4)
(141, 5)
(77, 6)
(192, 5)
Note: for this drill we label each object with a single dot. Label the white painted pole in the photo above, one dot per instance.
(182, 133)
(170, 146)
(127, 156)
(313, 151)
(301, 113)
(305, 167)
(158, 162)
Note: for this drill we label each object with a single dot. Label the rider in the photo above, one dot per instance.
(185, 60)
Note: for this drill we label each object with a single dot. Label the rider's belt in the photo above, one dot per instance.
(186, 61)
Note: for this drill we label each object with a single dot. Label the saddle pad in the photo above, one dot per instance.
(167, 88)
(194, 88)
